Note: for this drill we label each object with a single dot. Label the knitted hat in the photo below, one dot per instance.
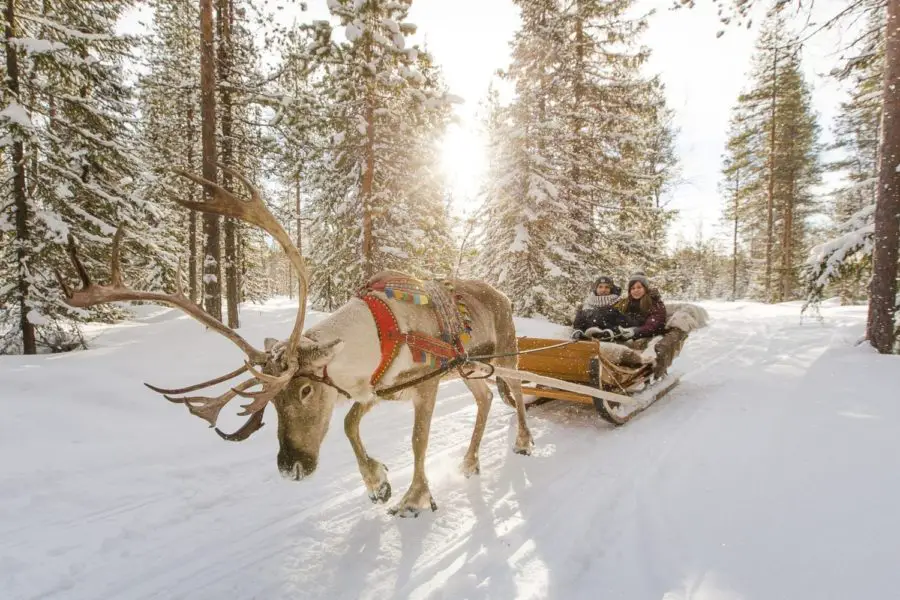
(606, 280)
(639, 276)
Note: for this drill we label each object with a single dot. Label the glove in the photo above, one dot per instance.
(627, 333)
(600, 334)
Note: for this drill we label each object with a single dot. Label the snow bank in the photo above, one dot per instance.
(770, 472)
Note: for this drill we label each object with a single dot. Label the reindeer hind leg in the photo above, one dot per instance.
(513, 389)
(471, 464)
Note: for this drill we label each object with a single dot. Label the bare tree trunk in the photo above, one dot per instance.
(297, 224)
(734, 254)
(787, 245)
(224, 23)
(212, 259)
(367, 189)
(192, 215)
(29, 346)
(883, 290)
(299, 220)
(770, 201)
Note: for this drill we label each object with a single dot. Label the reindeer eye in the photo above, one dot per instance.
(305, 392)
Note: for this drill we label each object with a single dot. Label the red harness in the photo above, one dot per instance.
(390, 337)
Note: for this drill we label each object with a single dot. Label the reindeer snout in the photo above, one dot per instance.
(296, 466)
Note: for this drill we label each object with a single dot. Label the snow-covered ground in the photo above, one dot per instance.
(772, 471)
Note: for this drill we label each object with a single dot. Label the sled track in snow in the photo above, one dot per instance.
(629, 512)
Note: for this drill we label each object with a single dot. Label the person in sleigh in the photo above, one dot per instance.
(645, 317)
(596, 317)
(642, 310)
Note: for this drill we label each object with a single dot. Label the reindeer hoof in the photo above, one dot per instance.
(382, 494)
(469, 469)
(411, 508)
(524, 444)
(406, 512)
(524, 451)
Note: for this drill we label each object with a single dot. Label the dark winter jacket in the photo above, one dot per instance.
(647, 314)
(604, 317)
(598, 311)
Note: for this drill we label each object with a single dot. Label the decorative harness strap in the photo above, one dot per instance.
(391, 338)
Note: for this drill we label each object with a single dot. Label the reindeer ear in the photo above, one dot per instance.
(320, 355)
(269, 343)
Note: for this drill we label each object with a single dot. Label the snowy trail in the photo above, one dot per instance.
(770, 472)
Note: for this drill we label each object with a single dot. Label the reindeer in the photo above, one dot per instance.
(304, 375)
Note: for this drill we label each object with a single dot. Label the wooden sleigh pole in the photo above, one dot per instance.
(560, 384)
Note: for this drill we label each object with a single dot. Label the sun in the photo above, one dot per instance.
(463, 161)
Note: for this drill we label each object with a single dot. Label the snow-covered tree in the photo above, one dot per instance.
(362, 119)
(843, 263)
(883, 326)
(583, 155)
(68, 118)
(742, 176)
(171, 124)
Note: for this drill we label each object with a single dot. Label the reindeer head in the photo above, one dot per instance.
(287, 373)
(305, 406)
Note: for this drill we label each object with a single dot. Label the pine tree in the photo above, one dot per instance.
(883, 326)
(777, 136)
(741, 172)
(170, 103)
(527, 236)
(68, 113)
(585, 152)
(363, 124)
(843, 263)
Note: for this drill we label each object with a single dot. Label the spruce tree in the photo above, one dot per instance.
(584, 155)
(776, 136)
(362, 119)
(527, 240)
(843, 263)
(69, 121)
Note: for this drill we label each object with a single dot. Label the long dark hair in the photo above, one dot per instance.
(644, 304)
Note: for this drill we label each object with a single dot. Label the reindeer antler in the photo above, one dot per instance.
(255, 212)
(92, 294)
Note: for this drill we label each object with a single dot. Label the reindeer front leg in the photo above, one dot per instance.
(374, 473)
(418, 496)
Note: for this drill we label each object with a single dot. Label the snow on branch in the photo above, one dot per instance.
(37, 46)
(68, 32)
(16, 114)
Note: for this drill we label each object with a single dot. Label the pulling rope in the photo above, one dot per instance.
(541, 349)
(459, 363)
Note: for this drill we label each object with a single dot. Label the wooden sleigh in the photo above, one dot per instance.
(583, 372)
